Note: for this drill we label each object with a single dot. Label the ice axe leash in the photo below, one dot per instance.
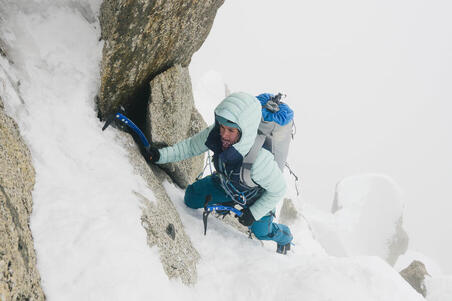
(217, 208)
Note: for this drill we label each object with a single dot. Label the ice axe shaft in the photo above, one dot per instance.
(206, 213)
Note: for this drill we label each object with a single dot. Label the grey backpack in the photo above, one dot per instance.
(274, 134)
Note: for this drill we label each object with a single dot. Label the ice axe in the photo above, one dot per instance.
(126, 121)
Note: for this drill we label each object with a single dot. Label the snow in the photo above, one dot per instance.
(86, 224)
(439, 288)
(368, 210)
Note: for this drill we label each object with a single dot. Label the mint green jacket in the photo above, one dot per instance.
(244, 110)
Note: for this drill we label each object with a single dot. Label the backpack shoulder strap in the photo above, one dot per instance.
(248, 160)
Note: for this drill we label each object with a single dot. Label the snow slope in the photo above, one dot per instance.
(86, 221)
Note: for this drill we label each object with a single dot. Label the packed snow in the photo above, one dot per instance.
(86, 225)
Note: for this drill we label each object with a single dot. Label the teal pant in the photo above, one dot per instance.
(263, 229)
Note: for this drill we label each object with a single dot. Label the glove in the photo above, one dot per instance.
(152, 154)
(247, 218)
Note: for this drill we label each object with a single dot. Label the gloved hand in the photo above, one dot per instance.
(247, 218)
(152, 154)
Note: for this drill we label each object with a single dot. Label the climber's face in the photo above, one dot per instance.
(229, 136)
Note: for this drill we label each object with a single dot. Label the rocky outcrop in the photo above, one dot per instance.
(163, 225)
(148, 46)
(289, 213)
(144, 38)
(415, 274)
(172, 117)
(19, 277)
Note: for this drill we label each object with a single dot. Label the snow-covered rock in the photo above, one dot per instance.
(368, 211)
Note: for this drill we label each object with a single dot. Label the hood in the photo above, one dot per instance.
(245, 110)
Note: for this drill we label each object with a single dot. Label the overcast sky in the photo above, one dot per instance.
(370, 82)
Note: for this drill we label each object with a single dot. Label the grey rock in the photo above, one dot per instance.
(172, 117)
(415, 274)
(177, 254)
(288, 213)
(144, 38)
(19, 277)
(2, 51)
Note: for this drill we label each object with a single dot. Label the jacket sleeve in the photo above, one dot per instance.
(266, 173)
(185, 149)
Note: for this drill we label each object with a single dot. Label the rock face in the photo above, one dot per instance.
(415, 274)
(144, 38)
(148, 46)
(172, 117)
(163, 225)
(19, 277)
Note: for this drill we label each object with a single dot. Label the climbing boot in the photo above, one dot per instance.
(282, 249)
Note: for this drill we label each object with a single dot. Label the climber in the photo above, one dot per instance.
(230, 138)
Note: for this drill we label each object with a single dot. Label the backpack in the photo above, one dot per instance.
(274, 134)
